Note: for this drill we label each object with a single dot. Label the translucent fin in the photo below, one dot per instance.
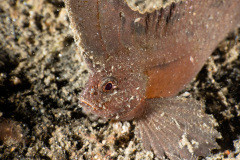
(177, 129)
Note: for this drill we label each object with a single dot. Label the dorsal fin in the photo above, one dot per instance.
(110, 29)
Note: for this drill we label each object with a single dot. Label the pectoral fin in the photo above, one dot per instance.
(177, 129)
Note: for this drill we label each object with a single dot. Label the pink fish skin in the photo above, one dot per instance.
(139, 62)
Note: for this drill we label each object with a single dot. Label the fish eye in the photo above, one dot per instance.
(108, 84)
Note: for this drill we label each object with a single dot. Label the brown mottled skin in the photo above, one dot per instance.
(139, 60)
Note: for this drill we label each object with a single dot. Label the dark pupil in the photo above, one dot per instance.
(108, 86)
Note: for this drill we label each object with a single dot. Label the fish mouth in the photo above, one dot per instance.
(87, 104)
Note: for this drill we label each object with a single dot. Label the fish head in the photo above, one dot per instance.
(114, 92)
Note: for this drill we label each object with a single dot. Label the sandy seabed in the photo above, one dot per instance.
(42, 75)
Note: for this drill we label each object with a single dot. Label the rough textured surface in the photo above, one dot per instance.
(149, 6)
(43, 76)
(137, 58)
(137, 50)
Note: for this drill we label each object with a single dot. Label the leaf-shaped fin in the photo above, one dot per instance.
(177, 129)
(187, 28)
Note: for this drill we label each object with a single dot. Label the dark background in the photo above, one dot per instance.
(42, 74)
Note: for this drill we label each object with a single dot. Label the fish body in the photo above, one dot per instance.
(139, 62)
